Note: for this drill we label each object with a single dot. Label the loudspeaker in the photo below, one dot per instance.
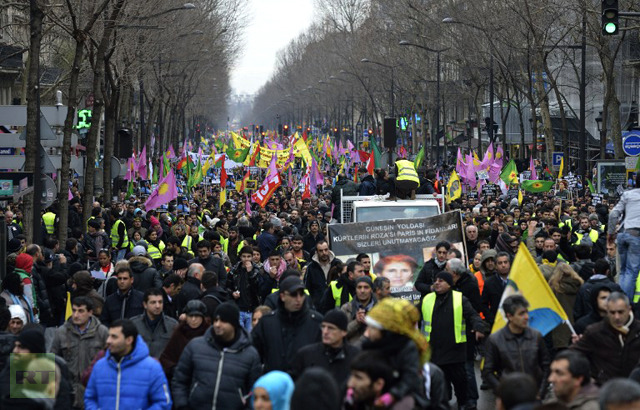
(124, 144)
(389, 132)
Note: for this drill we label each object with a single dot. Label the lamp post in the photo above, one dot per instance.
(603, 135)
(450, 20)
(438, 94)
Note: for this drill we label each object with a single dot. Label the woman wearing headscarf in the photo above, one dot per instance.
(391, 332)
(272, 391)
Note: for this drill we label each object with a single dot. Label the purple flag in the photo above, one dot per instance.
(165, 192)
(142, 164)
(532, 167)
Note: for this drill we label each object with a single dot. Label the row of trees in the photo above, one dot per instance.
(381, 58)
(151, 66)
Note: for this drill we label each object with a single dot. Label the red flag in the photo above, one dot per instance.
(371, 164)
(256, 151)
(223, 175)
(243, 182)
(266, 190)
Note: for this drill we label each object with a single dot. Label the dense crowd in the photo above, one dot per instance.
(232, 307)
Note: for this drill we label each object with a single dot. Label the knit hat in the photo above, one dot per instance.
(180, 263)
(228, 312)
(139, 250)
(594, 217)
(75, 267)
(94, 224)
(366, 279)
(14, 245)
(25, 262)
(337, 317)
(445, 276)
(18, 312)
(154, 221)
(32, 339)
(399, 316)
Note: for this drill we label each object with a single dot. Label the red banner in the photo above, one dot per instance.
(266, 190)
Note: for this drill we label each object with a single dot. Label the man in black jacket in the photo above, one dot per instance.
(333, 354)
(467, 284)
(199, 381)
(191, 287)
(516, 347)
(243, 285)
(447, 337)
(146, 276)
(171, 286)
(279, 335)
(318, 270)
(212, 294)
(367, 183)
(126, 302)
(206, 259)
(494, 286)
(601, 276)
(427, 274)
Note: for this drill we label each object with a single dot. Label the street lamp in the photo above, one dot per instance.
(438, 96)
(450, 20)
(185, 6)
(392, 68)
(603, 135)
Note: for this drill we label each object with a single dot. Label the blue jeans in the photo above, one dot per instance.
(120, 254)
(629, 250)
(245, 320)
(472, 385)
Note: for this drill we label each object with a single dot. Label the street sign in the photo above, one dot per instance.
(49, 192)
(557, 158)
(631, 144)
(46, 133)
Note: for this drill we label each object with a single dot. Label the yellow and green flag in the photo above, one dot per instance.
(537, 186)
(509, 173)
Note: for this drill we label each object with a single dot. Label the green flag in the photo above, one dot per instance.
(154, 178)
(537, 186)
(419, 159)
(509, 173)
(129, 190)
(197, 175)
(237, 155)
(165, 165)
(591, 188)
(375, 150)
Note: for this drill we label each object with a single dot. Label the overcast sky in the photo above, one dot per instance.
(272, 24)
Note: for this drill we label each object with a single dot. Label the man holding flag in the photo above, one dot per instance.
(517, 347)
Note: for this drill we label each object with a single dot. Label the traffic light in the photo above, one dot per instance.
(610, 17)
(285, 130)
(84, 119)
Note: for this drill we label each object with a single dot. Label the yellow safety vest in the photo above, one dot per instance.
(115, 237)
(593, 234)
(225, 244)
(49, 219)
(337, 292)
(274, 290)
(459, 324)
(406, 171)
(155, 253)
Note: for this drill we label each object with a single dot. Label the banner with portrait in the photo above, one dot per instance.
(398, 248)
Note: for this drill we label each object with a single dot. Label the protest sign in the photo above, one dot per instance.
(398, 248)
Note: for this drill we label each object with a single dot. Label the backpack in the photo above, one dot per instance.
(102, 289)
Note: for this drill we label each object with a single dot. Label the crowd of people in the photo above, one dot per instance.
(202, 306)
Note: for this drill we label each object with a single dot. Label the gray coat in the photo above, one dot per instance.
(78, 350)
(156, 339)
(209, 376)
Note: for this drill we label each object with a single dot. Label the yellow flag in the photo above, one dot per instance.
(68, 310)
(520, 197)
(561, 167)
(454, 189)
(223, 197)
(545, 312)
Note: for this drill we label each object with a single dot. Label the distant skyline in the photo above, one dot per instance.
(272, 24)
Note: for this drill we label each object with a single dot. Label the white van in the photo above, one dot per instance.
(371, 211)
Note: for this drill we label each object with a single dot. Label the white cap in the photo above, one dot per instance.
(139, 250)
(18, 312)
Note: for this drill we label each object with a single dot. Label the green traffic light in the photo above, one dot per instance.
(610, 28)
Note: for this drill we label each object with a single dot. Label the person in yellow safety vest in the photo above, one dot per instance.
(407, 180)
(155, 246)
(592, 235)
(445, 314)
(343, 289)
(119, 237)
(49, 219)
(595, 223)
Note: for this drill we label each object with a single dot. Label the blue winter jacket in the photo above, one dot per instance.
(136, 382)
